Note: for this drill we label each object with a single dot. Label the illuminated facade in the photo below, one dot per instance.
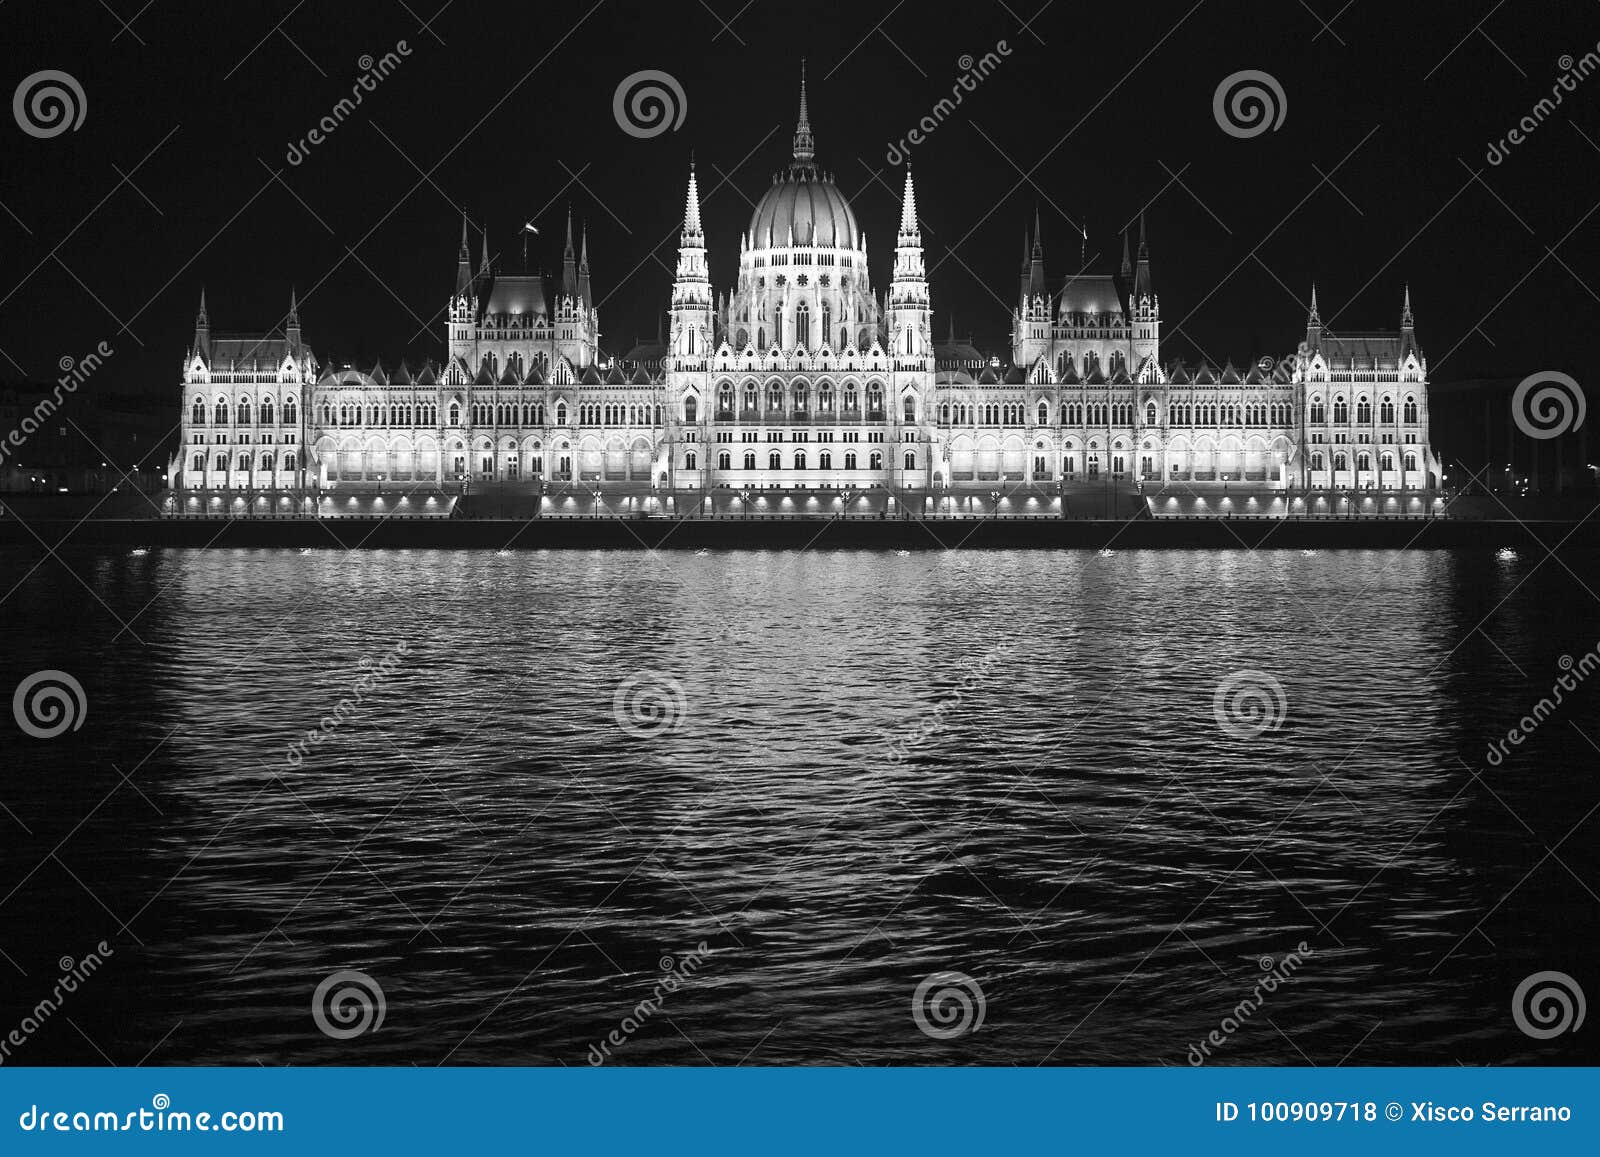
(803, 379)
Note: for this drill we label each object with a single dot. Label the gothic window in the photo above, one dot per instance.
(875, 460)
(1150, 414)
(1316, 460)
(200, 461)
(911, 409)
(749, 459)
(742, 340)
(1387, 461)
(825, 396)
(198, 415)
(761, 338)
(1411, 461)
(1363, 411)
(944, 413)
(825, 460)
(911, 459)
(1411, 410)
(802, 326)
(799, 459)
(725, 397)
(1319, 412)
(221, 414)
(724, 461)
(244, 412)
(774, 461)
(849, 459)
(1386, 411)
(1044, 413)
(690, 461)
(1340, 462)
(690, 409)
(289, 412)
(561, 414)
(1341, 411)
(852, 400)
(875, 398)
(774, 397)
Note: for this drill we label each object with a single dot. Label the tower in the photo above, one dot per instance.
(1030, 330)
(691, 330)
(910, 316)
(1145, 304)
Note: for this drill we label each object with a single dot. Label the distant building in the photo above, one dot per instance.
(802, 377)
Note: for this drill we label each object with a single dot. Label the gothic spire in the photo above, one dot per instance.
(805, 145)
(691, 209)
(1127, 265)
(1314, 318)
(483, 266)
(908, 209)
(569, 265)
(1406, 321)
(1036, 282)
(1142, 286)
(463, 261)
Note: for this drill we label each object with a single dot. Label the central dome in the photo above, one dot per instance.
(809, 203)
(804, 199)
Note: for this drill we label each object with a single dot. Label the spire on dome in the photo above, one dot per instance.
(805, 145)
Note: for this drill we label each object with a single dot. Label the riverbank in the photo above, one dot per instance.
(797, 534)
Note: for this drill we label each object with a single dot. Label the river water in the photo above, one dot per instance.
(736, 807)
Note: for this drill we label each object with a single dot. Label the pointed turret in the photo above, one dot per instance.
(693, 329)
(691, 209)
(805, 145)
(583, 266)
(463, 261)
(202, 328)
(1314, 321)
(1127, 264)
(1022, 293)
(569, 265)
(1406, 321)
(908, 213)
(1142, 286)
(291, 328)
(1036, 286)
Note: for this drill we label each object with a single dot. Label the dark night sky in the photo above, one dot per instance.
(1089, 118)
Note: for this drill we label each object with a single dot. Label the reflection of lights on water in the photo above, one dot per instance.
(1308, 552)
(1506, 554)
(1106, 552)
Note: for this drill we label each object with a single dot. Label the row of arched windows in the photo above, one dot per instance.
(243, 461)
(800, 460)
(1341, 460)
(219, 411)
(376, 414)
(1225, 414)
(798, 398)
(1341, 411)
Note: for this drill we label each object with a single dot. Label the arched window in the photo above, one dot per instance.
(690, 461)
(197, 416)
(725, 398)
(1411, 461)
(1340, 462)
(825, 396)
(561, 414)
(774, 397)
(774, 461)
(1386, 411)
(1411, 410)
(1150, 414)
(220, 415)
(455, 413)
(288, 461)
(852, 399)
(1363, 461)
(802, 326)
(1363, 411)
(724, 460)
(911, 409)
(875, 460)
(799, 459)
(1316, 460)
(875, 398)
(750, 396)
(1386, 462)
(244, 412)
(825, 459)
(761, 338)
(1341, 411)
(911, 459)
(1319, 412)
(690, 409)
(749, 459)
(266, 411)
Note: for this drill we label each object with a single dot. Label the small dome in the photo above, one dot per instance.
(812, 205)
